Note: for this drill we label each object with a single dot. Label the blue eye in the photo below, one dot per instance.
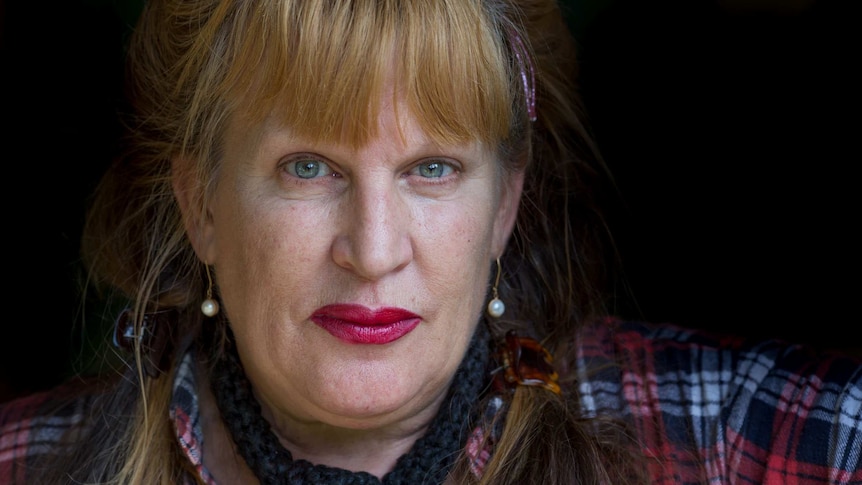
(434, 169)
(308, 168)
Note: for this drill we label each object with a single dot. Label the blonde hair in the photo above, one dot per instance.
(195, 66)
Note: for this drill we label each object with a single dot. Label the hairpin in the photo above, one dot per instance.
(525, 362)
(153, 335)
(525, 65)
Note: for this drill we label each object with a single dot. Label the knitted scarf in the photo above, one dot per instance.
(428, 461)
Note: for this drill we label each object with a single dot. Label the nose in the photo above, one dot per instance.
(375, 239)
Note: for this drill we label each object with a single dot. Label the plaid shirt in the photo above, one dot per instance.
(726, 410)
(707, 408)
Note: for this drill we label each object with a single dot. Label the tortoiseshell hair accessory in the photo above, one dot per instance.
(524, 362)
(154, 337)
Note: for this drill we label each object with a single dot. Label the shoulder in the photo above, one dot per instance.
(713, 400)
(25, 415)
(666, 347)
(36, 424)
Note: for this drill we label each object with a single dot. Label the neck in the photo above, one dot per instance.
(375, 453)
(220, 455)
(374, 450)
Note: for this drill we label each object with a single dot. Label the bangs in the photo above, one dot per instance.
(324, 67)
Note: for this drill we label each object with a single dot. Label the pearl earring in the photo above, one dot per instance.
(209, 307)
(496, 307)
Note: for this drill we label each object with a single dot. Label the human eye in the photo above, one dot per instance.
(307, 167)
(433, 169)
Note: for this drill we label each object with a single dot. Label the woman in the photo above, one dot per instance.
(358, 246)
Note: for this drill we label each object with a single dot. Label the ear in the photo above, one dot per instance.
(197, 218)
(507, 212)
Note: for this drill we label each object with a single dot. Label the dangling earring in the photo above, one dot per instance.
(496, 307)
(209, 307)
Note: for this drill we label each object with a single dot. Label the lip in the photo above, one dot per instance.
(358, 324)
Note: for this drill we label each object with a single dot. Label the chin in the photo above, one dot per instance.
(365, 412)
(368, 400)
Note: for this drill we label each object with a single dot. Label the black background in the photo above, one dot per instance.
(731, 128)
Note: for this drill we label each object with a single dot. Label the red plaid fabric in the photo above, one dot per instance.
(715, 409)
(708, 409)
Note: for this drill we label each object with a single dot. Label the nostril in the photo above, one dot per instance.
(372, 252)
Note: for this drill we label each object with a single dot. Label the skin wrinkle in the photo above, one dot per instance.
(376, 234)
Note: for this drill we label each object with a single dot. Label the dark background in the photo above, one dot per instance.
(731, 128)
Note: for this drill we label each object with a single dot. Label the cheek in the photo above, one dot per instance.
(265, 250)
(447, 232)
(455, 247)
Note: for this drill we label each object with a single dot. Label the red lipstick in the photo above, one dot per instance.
(361, 325)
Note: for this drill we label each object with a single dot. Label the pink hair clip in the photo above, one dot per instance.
(525, 65)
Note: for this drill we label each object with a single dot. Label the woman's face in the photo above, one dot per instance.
(354, 279)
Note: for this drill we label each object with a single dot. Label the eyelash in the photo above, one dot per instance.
(292, 165)
(448, 168)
